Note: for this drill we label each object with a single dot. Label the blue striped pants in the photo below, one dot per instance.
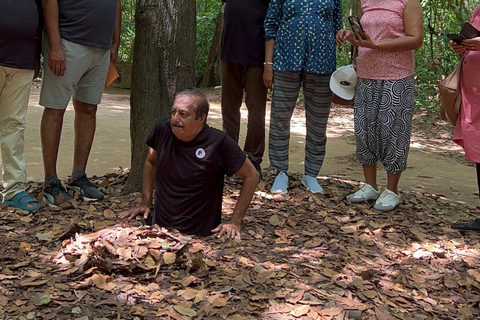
(318, 97)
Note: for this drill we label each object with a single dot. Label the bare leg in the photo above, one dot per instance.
(50, 132)
(85, 124)
(370, 173)
(392, 181)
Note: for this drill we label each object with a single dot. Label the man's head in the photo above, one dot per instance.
(189, 113)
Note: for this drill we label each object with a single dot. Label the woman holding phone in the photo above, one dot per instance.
(467, 129)
(384, 95)
(300, 50)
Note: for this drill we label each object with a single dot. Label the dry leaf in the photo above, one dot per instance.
(219, 302)
(169, 257)
(300, 311)
(274, 220)
(185, 311)
(109, 214)
(330, 312)
(149, 262)
(189, 294)
(41, 299)
(45, 236)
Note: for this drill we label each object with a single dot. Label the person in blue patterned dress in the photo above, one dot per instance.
(300, 50)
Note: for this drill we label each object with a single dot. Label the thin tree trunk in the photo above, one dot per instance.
(209, 78)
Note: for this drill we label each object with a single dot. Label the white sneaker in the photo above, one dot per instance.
(387, 201)
(280, 184)
(366, 192)
(311, 184)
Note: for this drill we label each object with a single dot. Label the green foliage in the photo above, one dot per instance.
(125, 51)
(207, 13)
(435, 59)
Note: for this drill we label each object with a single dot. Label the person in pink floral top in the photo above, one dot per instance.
(467, 130)
(384, 95)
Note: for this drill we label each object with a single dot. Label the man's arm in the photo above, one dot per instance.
(268, 67)
(116, 33)
(56, 55)
(250, 180)
(148, 186)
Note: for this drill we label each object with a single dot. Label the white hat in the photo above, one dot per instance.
(343, 82)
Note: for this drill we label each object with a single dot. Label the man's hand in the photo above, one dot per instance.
(228, 230)
(113, 54)
(56, 60)
(132, 213)
(268, 76)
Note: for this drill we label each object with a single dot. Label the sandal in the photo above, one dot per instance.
(20, 200)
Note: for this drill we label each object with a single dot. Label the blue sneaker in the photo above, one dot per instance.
(311, 184)
(280, 184)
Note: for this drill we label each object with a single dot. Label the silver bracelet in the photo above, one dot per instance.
(268, 63)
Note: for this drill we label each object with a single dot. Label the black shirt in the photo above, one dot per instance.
(243, 39)
(87, 22)
(189, 177)
(19, 37)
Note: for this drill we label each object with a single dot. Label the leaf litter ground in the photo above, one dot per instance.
(301, 257)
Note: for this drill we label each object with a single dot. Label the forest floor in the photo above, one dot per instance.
(301, 256)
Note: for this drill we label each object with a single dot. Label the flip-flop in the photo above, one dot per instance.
(474, 225)
(20, 200)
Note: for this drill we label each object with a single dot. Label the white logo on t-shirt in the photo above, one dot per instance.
(200, 153)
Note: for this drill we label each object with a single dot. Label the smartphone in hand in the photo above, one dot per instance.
(356, 27)
(456, 37)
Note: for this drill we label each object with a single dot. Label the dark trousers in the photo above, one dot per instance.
(237, 78)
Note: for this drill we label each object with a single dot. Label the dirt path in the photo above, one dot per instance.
(435, 164)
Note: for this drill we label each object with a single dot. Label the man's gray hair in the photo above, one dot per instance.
(201, 105)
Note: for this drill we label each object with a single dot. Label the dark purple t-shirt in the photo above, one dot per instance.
(243, 39)
(87, 22)
(189, 177)
(19, 38)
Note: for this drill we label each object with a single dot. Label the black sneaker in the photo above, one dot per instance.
(53, 191)
(474, 225)
(83, 185)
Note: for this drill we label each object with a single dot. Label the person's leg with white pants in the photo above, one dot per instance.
(14, 94)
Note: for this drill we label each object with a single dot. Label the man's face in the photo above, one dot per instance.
(182, 120)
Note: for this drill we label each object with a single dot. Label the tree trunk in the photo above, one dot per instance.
(164, 63)
(351, 8)
(209, 78)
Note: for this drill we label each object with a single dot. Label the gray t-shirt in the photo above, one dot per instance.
(19, 38)
(88, 22)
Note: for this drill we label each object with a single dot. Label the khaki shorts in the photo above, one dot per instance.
(84, 77)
